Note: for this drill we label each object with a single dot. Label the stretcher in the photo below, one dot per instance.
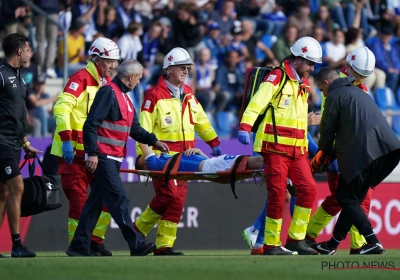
(170, 172)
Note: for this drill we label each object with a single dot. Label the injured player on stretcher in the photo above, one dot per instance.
(193, 160)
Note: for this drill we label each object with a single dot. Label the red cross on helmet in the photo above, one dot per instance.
(308, 48)
(177, 56)
(105, 48)
(362, 60)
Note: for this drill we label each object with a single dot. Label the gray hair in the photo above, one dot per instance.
(129, 67)
(327, 73)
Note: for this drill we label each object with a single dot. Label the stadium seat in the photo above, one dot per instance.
(269, 41)
(227, 123)
(396, 124)
(385, 99)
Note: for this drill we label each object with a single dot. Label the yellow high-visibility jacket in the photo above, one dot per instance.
(72, 108)
(289, 107)
(174, 122)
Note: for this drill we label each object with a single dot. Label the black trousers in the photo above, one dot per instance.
(106, 189)
(351, 195)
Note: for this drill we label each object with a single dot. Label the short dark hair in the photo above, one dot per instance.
(137, 162)
(325, 73)
(12, 43)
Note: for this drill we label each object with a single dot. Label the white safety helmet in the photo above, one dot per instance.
(177, 56)
(362, 60)
(105, 48)
(308, 48)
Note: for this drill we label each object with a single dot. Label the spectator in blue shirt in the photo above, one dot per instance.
(229, 82)
(387, 57)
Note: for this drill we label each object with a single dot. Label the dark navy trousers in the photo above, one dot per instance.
(106, 189)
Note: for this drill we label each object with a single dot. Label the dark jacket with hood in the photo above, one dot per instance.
(354, 122)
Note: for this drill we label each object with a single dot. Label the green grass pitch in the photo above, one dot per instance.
(208, 265)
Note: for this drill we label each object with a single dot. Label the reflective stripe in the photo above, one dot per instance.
(102, 225)
(166, 234)
(115, 127)
(272, 231)
(147, 220)
(72, 225)
(318, 221)
(284, 140)
(298, 226)
(165, 136)
(356, 239)
(110, 141)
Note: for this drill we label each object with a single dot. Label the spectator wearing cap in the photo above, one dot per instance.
(238, 45)
(39, 105)
(212, 40)
(166, 41)
(76, 47)
(387, 56)
(224, 17)
(187, 28)
(167, 27)
(46, 33)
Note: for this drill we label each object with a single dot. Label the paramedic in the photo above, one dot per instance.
(281, 139)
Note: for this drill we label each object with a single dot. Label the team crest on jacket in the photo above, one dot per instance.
(8, 170)
(271, 78)
(168, 120)
(73, 86)
(147, 104)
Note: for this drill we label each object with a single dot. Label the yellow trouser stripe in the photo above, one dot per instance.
(147, 221)
(72, 225)
(272, 231)
(356, 239)
(298, 226)
(318, 221)
(166, 234)
(102, 225)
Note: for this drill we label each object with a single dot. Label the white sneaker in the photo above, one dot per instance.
(51, 73)
(250, 236)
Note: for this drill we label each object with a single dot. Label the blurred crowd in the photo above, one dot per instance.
(223, 37)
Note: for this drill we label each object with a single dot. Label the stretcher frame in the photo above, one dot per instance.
(221, 177)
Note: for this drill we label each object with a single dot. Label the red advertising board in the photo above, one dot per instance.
(384, 215)
(48, 231)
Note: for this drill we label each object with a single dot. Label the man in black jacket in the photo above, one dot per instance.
(105, 133)
(367, 151)
(12, 136)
